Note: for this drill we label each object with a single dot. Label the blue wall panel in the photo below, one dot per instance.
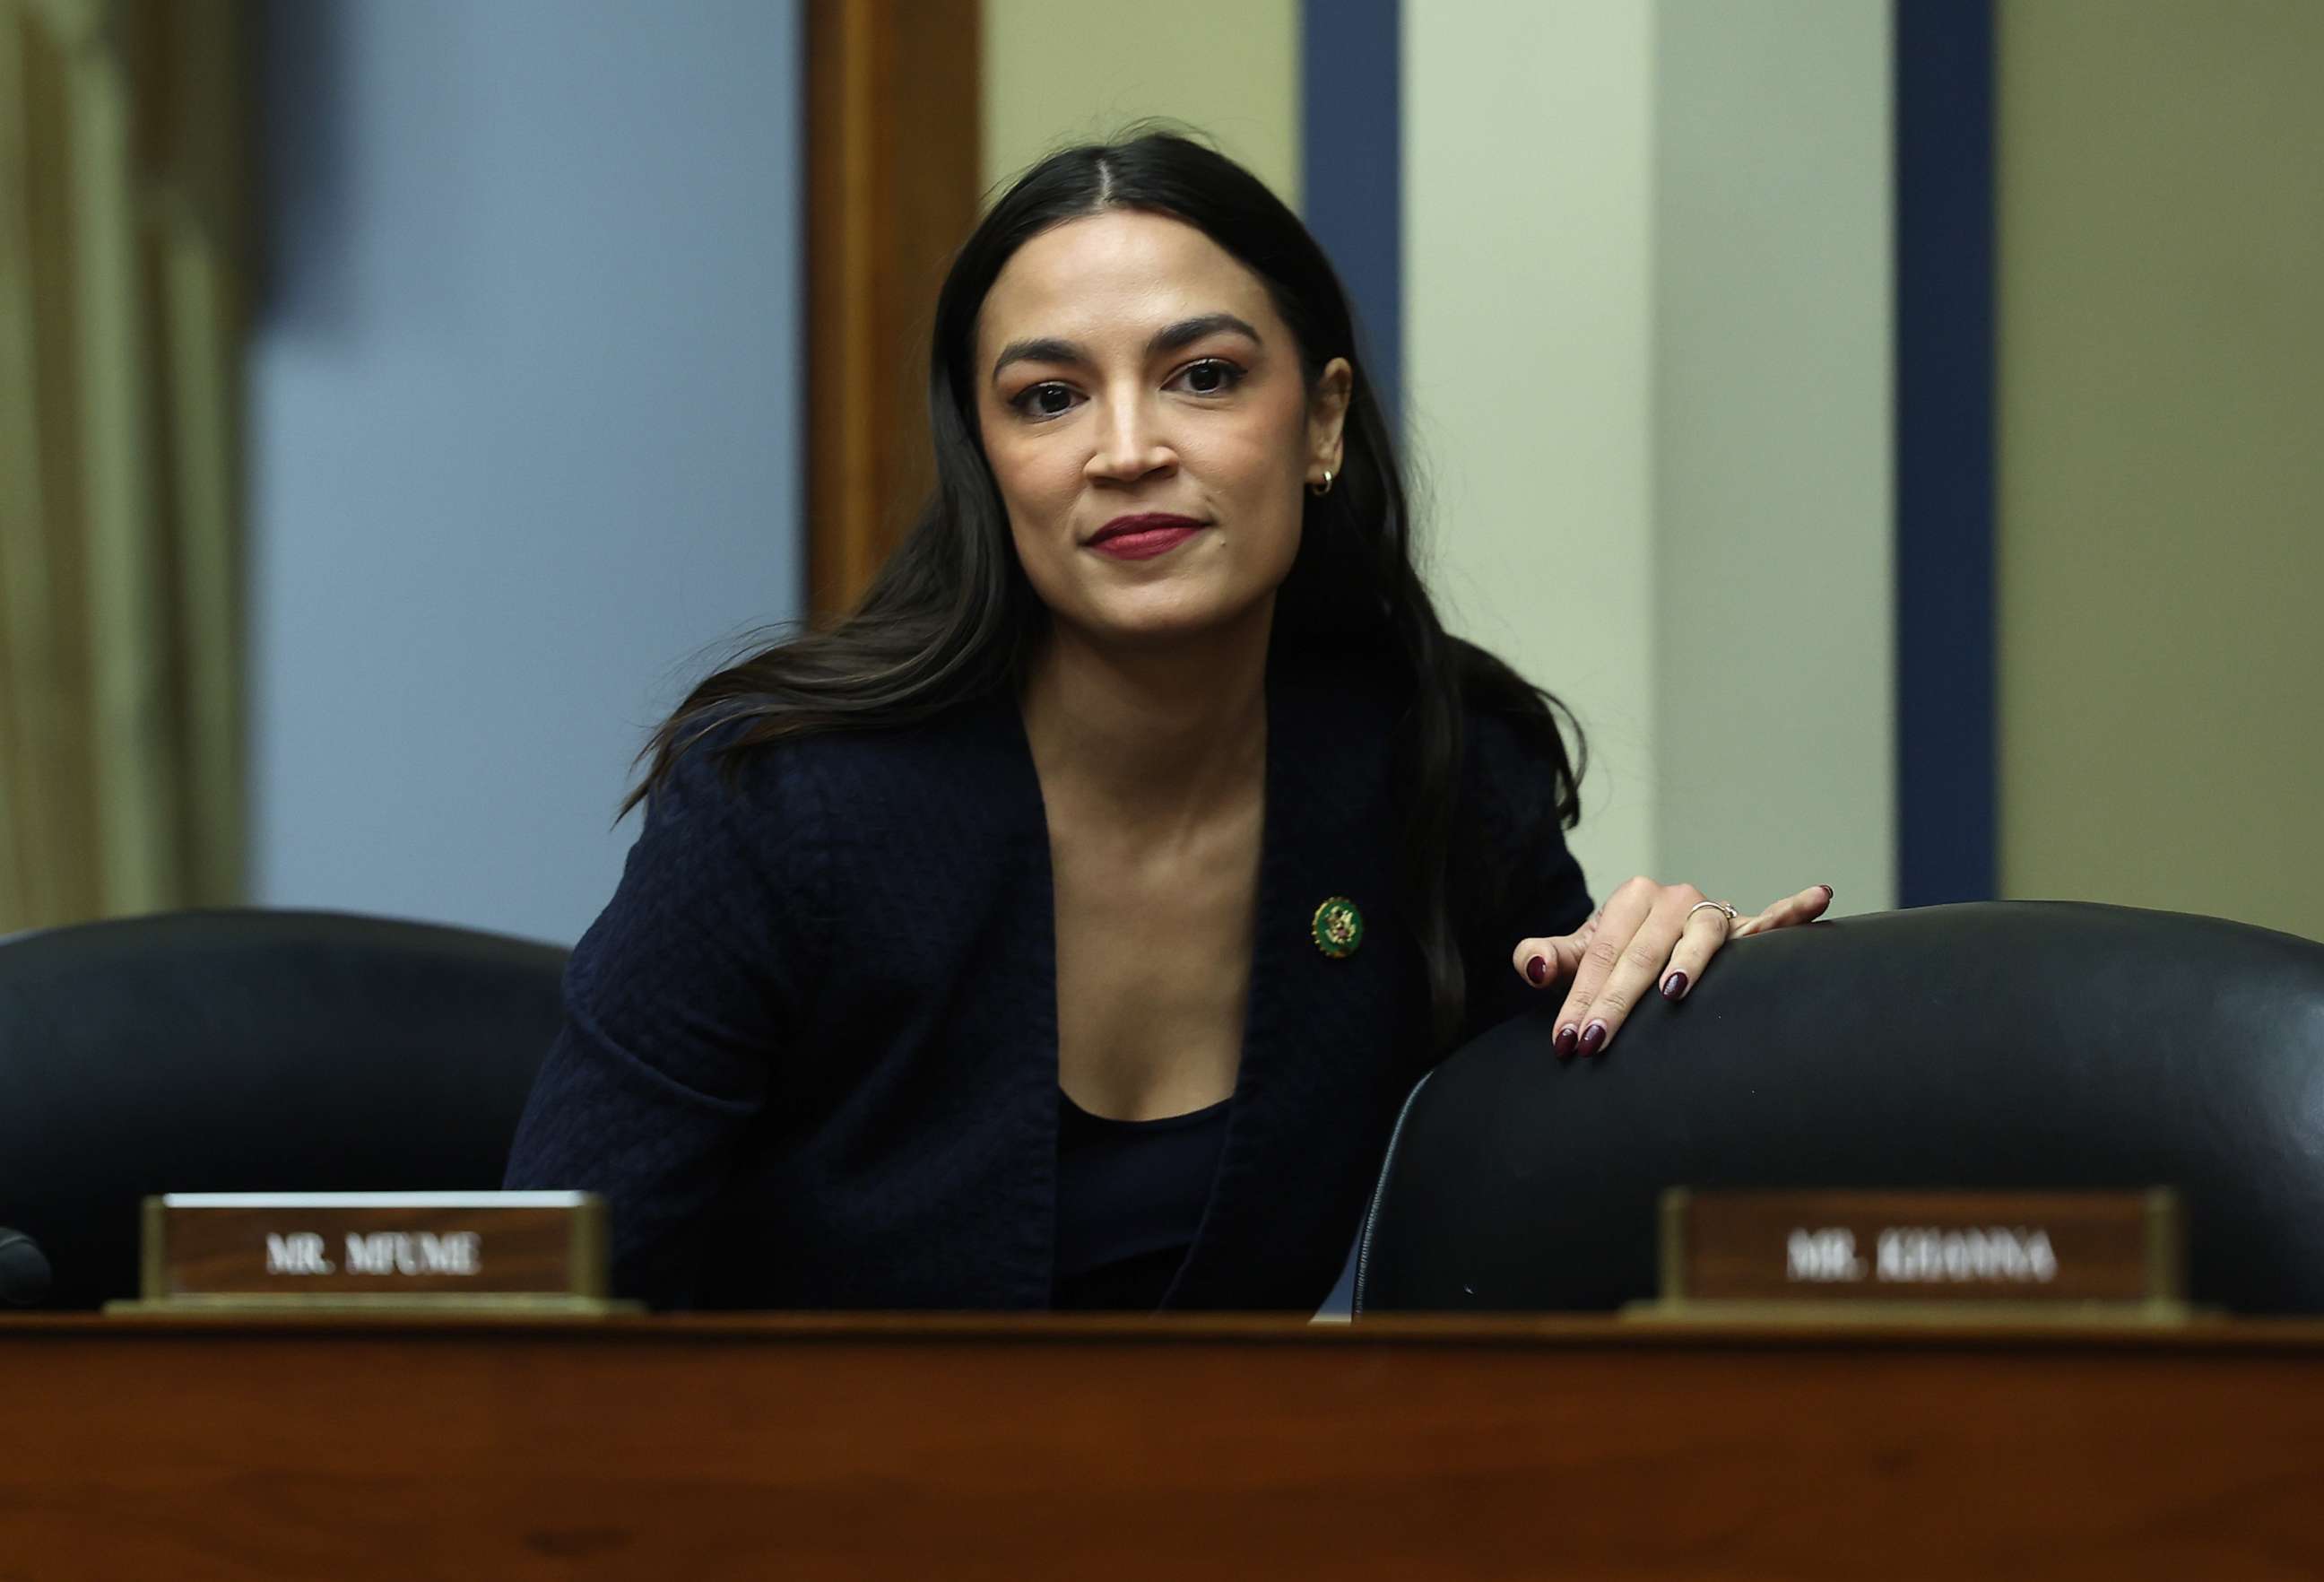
(524, 428)
(1352, 157)
(1945, 735)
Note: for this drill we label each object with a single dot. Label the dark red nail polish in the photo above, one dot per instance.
(1537, 970)
(1593, 1037)
(1674, 986)
(1828, 892)
(1566, 1037)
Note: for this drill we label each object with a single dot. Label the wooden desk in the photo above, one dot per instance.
(1036, 1448)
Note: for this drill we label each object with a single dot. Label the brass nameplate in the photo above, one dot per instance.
(497, 1251)
(2015, 1253)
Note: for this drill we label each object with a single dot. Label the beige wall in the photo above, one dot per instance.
(2160, 535)
(1647, 310)
(1528, 349)
(1774, 461)
(1062, 71)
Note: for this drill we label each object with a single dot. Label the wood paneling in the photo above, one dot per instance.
(837, 1446)
(893, 168)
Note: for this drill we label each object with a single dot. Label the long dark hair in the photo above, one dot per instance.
(952, 617)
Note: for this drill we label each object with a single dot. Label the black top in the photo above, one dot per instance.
(1131, 1195)
(810, 1048)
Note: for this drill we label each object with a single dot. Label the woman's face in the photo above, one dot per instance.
(1130, 367)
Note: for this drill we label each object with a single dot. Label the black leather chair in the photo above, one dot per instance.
(1998, 1044)
(251, 1050)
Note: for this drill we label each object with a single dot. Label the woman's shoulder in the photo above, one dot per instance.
(1518, 772)
(810, 784)
(1510, 742)
(1506, 720)
(1504, 747)
(775, 836)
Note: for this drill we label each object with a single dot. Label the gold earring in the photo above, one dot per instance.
(1325, 488)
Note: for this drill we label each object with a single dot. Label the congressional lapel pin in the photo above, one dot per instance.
(1338, 928)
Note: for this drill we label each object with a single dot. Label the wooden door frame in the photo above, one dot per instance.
(894, 154)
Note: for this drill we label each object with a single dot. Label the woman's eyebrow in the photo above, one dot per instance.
(1170, 338)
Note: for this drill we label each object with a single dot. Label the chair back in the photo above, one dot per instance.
(252, 1050)
(1999, 1045)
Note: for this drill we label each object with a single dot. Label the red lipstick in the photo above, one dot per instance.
(1144, 536)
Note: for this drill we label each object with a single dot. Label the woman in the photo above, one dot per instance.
(1065, 927)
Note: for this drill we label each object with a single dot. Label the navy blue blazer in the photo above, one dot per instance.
(810, 1050)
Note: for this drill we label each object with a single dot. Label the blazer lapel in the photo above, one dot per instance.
(1321, 1064)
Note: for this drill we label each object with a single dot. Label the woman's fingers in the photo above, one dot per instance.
(1607, 955)
(1701, 936)
(1555, 958)
(1647, 937)
(1550, 959)
(1808, 905)
(1637, 970)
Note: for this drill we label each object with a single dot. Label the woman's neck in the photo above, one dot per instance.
(1158, 737)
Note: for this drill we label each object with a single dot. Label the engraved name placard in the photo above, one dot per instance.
(484, 1250)
(2120, 1249)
